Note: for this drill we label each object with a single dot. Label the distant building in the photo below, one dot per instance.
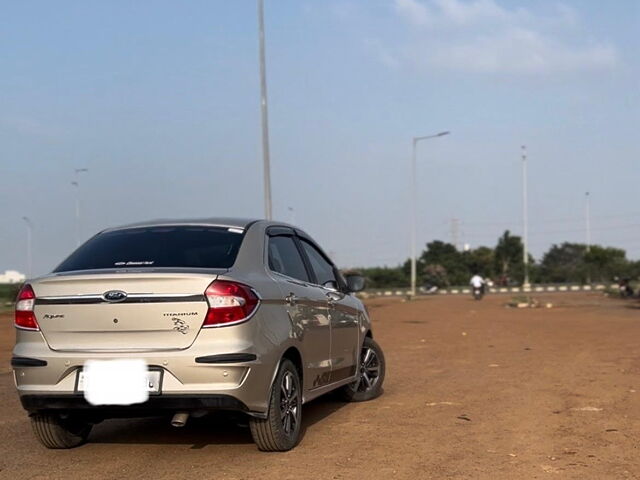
(11, 276)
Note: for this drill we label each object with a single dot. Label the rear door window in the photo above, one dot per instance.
(285, 258)
(157, 247)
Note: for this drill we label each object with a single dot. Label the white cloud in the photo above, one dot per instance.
(483, 36)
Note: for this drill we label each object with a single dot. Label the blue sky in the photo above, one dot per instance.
(160, 101)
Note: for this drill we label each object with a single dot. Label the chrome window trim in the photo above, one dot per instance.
(297, 281)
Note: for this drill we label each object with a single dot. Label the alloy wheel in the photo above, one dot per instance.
(369, 369)
(289, 403)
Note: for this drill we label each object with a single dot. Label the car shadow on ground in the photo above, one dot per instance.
(219, 428)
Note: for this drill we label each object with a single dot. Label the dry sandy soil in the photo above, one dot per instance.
(473, 390)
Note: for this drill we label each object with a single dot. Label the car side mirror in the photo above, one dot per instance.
(355, 282)
(331, 285)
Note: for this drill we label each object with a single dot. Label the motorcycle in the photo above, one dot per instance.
(478, 293)
(625, 288)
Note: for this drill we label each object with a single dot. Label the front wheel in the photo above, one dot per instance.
(371, 370)
(280, 431)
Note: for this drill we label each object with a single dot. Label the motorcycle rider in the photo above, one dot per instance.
(477, 282)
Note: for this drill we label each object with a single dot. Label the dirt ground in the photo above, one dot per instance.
(473, 390)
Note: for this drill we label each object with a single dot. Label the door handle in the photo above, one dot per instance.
(331, 299)
(291, 299)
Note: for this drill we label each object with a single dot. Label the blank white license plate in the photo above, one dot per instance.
(117, 382)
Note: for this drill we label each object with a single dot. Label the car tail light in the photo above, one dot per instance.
(25, 318)
(229, 302)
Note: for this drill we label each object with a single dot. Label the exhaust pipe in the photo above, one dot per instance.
(179, 419)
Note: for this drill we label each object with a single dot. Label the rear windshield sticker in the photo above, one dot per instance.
(135, 264)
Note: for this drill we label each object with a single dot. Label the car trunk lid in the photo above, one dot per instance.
(121, 311)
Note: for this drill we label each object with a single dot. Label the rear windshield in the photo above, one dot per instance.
(157, 247)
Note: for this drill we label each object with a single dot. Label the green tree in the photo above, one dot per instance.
(481, 261)
(385, 277)
(564, 263)
(443, 265)
(447, 256)
(508, 258)
(436, 275)
(606, 262)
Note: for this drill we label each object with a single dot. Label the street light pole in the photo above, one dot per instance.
(29, 256)
(588, 220)
(76, 184)
(588, 225)
(414, 217)
(414, 207)
(264, 115)
(525, 218)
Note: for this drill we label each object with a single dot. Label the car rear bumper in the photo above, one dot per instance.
(156, 404)
(214, 366)
(243, 377)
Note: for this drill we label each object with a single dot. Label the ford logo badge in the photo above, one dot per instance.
(114, 296)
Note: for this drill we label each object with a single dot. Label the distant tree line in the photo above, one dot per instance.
(8, 292)
(442, 264)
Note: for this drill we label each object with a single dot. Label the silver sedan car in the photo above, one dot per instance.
(185, 317)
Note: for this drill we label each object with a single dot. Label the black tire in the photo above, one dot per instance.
(370, 374)
(55, 431)
(280, 431)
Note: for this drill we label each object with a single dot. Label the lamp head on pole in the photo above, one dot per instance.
(426, 137)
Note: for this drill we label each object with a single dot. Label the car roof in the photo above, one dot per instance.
(212, 222)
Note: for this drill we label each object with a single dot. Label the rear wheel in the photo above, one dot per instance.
(280, 431)
(370, 374)
(58, 431)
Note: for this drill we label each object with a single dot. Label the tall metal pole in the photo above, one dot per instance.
(588, 220)
(265, 115)
(29, 255)
(76, 183)
(414, 217)
(588, 225)
(77, 234)
(414, 211)
(525, 219)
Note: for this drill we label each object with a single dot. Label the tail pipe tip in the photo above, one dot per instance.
(179, 419)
